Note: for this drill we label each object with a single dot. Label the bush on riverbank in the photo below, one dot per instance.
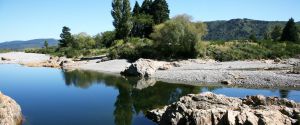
(132, 49)
(242, 50)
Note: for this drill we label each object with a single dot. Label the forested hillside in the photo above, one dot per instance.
(237, 29)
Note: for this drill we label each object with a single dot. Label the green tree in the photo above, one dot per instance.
(121, 13)
(146, 7)
(46, 44)
(83, 41)
(142, 25)
(252, 37)
(66, 37)
(178, 37)
(136, 10)
(160, 10)
(290, 32)
(105, 39)
(276, 33)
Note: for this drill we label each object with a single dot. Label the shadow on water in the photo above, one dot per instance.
(135, 96)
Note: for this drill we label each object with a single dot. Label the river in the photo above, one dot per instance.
(54, 97)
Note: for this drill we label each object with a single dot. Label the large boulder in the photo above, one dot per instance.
(10, 111)
(144, 68)
(213, 109)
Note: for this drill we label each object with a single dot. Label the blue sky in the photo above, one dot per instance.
(30, 19)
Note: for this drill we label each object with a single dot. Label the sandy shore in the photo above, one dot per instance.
(31, 59)
(265, 73)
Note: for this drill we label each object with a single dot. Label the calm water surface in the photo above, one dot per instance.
(54, 97)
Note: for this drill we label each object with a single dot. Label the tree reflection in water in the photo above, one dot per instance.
(284, 93)
(131, 100)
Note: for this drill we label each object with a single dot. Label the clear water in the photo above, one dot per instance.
(54, 97)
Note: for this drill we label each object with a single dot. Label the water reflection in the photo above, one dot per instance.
(139, 95)
(135, 96)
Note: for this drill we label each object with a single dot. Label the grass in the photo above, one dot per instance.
(4, 50)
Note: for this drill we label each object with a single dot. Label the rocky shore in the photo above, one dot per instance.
(10, 111)
(255, 73)
(213, 109)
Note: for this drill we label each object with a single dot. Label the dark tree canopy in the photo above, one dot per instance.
(66, 37)
(146, 16)
(147, 7)
(160, 11)
(290, 32)
(136, 10)
(276, 33)
(142, 25)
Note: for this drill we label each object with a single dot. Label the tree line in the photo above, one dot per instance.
(289, 33)
(147, 31)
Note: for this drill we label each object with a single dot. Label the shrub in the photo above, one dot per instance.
(177, 38)
(105, 39)
(132, 49)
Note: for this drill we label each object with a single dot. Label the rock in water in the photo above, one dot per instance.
(213, 109)
(142, 68)
(10, 111)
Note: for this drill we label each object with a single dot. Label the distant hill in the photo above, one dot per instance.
(237, 29)
(21, 45)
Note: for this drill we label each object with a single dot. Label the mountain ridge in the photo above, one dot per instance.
(23, 44)
(238, 29)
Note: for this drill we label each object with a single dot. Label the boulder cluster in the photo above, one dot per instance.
(212, 109)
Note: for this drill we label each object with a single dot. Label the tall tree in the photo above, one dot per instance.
(147, 7)
(136, 10)
(160, 10)
(66, 37)
(126, 19)
(276, 33)
(117, 15)
(121, 13)
(290, 32)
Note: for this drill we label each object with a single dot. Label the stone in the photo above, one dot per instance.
(209, 109)
(142, 68)
(10, 111)
(226, 82)
(104, 59)
(277, 60)
(5, 59)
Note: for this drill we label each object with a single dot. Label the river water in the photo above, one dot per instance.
(53, 97)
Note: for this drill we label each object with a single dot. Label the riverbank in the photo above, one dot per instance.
(257, 73)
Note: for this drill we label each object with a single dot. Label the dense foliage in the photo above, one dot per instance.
(146, 16)
(178, 38)
(290, 32)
